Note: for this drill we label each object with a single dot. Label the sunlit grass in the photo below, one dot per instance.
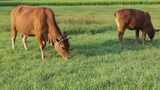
(97, 62)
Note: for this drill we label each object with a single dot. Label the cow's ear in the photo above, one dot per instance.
(68, 37)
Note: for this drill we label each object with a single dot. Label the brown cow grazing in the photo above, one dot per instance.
(39, 22)
(135, 20)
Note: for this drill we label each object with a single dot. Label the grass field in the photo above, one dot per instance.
(97, 62)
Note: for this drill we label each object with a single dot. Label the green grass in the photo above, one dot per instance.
(97, 62)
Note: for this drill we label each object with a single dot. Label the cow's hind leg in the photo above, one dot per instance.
(24, 38)
(13, 37)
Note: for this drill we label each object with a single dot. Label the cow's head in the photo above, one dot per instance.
(151, 33)
(61, 45)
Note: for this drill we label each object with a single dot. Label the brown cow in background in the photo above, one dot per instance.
(135, 20)
(39, 22)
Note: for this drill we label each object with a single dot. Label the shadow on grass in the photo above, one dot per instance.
(76, 30)
(89, 30)
(113, 47)
(5, 28)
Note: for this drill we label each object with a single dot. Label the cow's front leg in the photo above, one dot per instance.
(143, 37)
(42, 44)
(137, 35)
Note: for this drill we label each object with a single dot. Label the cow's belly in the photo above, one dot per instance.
(25, 27)
(133, 27)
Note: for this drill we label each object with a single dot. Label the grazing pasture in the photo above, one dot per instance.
(97, 62)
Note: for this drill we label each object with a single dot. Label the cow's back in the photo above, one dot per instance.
(27, 19)
(132, 18)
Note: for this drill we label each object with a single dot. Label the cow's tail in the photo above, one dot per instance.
(12, 21)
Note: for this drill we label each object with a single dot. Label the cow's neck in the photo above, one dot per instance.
(54, 33)
(148, 28)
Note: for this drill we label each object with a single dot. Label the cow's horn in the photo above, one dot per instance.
(68, 37)
(157, 30)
